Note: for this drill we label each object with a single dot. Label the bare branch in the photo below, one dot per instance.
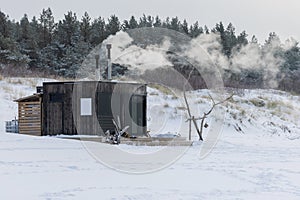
(192, 118)
(228, 98)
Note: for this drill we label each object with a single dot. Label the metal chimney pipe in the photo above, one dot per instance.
(108, 46)
(98, 72)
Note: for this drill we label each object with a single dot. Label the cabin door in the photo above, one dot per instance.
(137, 113)
(56, 116)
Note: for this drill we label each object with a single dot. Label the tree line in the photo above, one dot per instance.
(42, 43)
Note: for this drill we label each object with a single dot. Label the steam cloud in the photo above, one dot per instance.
(125, 52)
(206, 50)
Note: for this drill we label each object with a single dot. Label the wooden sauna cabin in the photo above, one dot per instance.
(83, 108)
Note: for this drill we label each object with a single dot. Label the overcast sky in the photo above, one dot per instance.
(258, 17)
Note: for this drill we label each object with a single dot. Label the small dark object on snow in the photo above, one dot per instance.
(126, 135)
(112, 137)
(205, 125)
(115, 136)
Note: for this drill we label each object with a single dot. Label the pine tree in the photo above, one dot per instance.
(229, 41)
(48, 25)
(242, 40)
(157, 22)
(28, 44)
(68, 29)
(51, 57)
(146, 21)
(185, 27)
(206, 30)
(125, 26)
(292, 58)
(8, 46)
(113, 25)
(85, 27)
(254, 40)
(272, 39)
(74, 56)
(98, 32)
(35, 30)
(219, 28)
(175, 24)
(273, 45)
(4, 25)
(131, 24)
(166, 23)
(195, 30)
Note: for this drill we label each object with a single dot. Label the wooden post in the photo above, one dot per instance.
(190, 130)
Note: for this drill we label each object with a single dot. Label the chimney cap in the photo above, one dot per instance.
(108, 46)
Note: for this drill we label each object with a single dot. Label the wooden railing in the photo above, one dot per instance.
(12, 126)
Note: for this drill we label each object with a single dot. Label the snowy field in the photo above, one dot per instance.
(256, 157)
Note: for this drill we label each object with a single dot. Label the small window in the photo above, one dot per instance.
(85, 106)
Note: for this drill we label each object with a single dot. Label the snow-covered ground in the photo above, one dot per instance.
(257, 155)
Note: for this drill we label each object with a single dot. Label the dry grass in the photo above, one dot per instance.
(200, 101)
(181, 108)
(17, 94)
(12, 93)
(205, 97)
(257, 102)
(153, 94)
(32, 82)
(242, 112)
(63, 79)
(272, 104)
(234, 115)
(6, 89)
(15, 81)
(162, 89)
(166, 105)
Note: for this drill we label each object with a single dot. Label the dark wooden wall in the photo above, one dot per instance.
(61, 107)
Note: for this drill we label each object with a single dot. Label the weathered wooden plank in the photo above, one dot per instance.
(24, 118)
(30, 131)
(31, 128)
(30, 109)
(29, 103)
(37, 133)
(29, 113)
(29, 122)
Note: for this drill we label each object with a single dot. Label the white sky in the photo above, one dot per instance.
(258, 17)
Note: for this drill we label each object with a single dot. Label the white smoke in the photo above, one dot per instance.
(248, 57)
(128, 54)
(206, 50)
